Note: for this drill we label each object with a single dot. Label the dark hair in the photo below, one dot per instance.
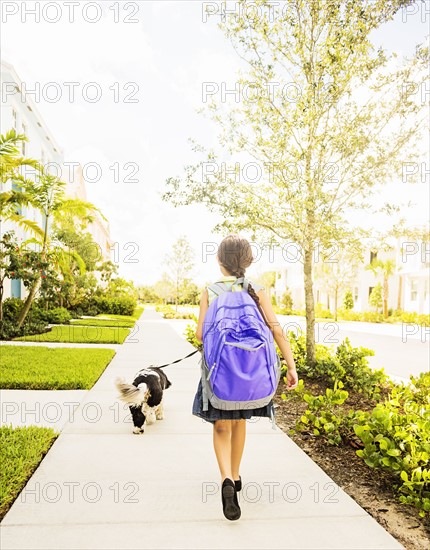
(235, 255)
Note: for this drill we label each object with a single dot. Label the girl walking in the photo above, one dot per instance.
(229, 426)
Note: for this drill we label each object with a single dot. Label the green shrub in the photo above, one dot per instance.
(357, 374)
(396, 437)
(322, 414)
(347, 364)
(348, 300)
(399, 316)
(348, 315)
(124, 305)
(55, 316)
(12, 308)
(9, 330)
(322, 312)
(372, 317)
(169, 313)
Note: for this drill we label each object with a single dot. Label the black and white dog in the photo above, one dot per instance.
(144, 396)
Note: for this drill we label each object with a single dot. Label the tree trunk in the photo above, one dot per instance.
(399, 294)
(385, 298)
(310, 309)
(336, 292)
(37, 284)
(28, 302)
(1, 301)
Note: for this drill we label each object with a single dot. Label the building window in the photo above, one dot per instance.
(355, 293)
(414, 290)
(373, 256)
(24, 131)
(16, 288)
(14, 120)
(370, 290)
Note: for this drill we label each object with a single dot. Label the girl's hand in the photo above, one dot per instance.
(292, 378)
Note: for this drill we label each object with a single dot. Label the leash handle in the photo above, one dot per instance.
(178, 360)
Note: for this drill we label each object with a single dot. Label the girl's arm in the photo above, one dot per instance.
(204, 304)
(280, 339)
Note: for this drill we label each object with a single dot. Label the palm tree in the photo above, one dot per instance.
(47, 194)
(11, 164)
(386, 269)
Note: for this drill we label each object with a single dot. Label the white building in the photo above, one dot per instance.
(408, 286)
(19, 112)
(413, 260)
(99, 228)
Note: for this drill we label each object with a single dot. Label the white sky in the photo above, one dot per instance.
(168, 53)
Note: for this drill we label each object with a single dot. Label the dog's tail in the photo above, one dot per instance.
(129, 393)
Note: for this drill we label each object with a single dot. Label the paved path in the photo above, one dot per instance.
(101, 487)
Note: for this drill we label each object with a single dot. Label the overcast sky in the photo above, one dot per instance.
(160, 61)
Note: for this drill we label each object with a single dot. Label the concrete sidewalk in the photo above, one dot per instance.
(101, 487)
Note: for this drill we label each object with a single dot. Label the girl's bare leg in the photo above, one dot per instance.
(222, 445)
(238, 435)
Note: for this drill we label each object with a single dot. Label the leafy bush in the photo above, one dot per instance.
(399, 316)
(372, 317)
(122, 305)
(169, 313)
(322, 414)
(347, 364)
(8, 326)
(322, 312)
(357, 374)
(395, 434)
(55, 316)
(396, 437)
(11, 309)
(348, 300)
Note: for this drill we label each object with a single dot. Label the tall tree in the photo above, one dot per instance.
(11, 164)
(337, 276)
(46, 193)
(179, 264)
(384, 269)
(323, 116)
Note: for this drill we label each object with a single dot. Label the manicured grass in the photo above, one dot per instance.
(80, 334)
(95, 322)
(21, 450)
(43, 368)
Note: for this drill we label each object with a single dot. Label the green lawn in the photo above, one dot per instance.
(80, 334)
(97, 322)
(21, 450)
(43, 368)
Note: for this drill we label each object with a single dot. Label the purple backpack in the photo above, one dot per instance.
(240, 366)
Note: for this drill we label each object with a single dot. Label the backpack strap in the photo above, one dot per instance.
(217, 288)
(242, 280)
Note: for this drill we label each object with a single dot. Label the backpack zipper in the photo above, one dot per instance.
(210, 372)
(248, 348)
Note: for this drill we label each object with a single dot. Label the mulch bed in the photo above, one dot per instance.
(371, 489)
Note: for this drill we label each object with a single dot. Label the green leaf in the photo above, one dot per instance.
(404, 476)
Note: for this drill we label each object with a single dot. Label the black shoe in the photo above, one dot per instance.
(238, 484)
(230, 505)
